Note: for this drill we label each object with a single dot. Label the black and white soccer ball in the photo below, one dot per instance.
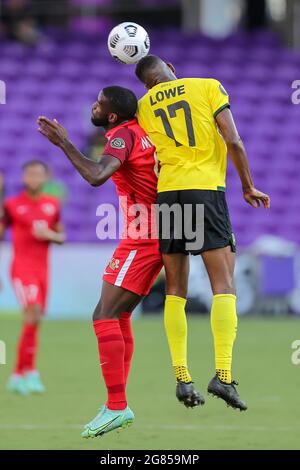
(128, 42)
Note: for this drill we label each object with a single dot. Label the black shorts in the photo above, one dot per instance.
(214, 223)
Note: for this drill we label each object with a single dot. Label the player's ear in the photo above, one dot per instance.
(112, 118)
(171, 67)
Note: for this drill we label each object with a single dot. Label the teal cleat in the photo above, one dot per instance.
(33, 382)
(108, 420)
(101, 409)
(17, 384)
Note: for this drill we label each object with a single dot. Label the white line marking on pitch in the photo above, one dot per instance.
(175, 427)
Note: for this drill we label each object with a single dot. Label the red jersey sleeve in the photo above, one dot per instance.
(120, 144)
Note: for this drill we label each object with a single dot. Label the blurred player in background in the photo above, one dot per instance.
(35, 222)
(191, 125)
(128, 157)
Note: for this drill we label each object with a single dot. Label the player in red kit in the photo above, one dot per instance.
(35, 222)
(129, 158)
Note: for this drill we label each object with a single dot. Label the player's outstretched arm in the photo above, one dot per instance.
(96, 173)
(238, 155)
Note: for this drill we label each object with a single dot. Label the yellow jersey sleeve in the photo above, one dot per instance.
(217, 96)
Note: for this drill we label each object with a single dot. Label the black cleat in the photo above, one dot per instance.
(186, 393)
(227, 392)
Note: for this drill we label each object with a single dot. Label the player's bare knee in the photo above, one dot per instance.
(224, 287)
(102, 313)
(178, 291)
(33, 315)
(176, 286)
(96, 314)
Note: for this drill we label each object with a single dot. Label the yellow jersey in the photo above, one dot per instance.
(179, 117)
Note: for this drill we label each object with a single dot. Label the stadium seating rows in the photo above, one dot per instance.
(61, 77)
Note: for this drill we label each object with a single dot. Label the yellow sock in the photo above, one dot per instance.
(224, 326)
(176, 331)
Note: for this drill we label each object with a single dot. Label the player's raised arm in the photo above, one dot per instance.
(96, 173)
(114, 107)
(238, 155)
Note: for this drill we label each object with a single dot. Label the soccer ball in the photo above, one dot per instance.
(128, 42)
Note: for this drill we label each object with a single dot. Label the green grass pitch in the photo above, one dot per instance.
(69, 365)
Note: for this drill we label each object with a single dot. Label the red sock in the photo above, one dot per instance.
(125, 325)
(111, 351)
(27, 349)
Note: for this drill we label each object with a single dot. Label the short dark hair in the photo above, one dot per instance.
(35, 163)
(146, 63)
(122, 100)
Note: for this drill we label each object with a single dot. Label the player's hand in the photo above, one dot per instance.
(255, 197)
(42, 232)
(54, 131)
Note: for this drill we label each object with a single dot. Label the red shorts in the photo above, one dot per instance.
(134, 266)
(31, 288)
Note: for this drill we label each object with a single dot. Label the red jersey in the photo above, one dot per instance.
(22, 212)
(136, 179)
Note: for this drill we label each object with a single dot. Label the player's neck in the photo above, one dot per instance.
(33, 194)
(166, 78)
(112, 126)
